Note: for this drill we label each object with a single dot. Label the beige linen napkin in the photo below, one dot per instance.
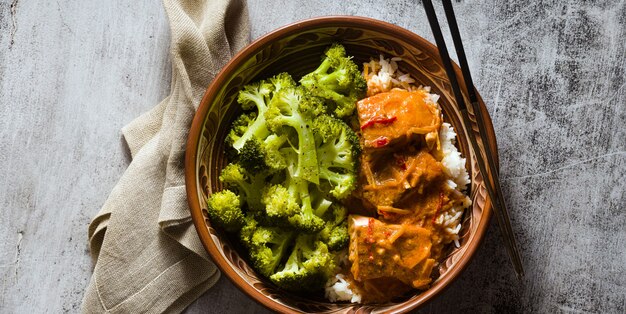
(148, 257)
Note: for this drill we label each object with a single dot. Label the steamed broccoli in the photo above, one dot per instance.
(308, 267)
(259, 155)
(291, 161)
(247, 230)
(256, 95)
(250, 185)
(282, 81)
(305, 220)
(280, 203)
(335, 232)
(257, 148)
(338, 151)
(240, 126)
(294, 203)
(301, 192)
(338, 80)
(266, 245)
(224, 208)
(291, 108)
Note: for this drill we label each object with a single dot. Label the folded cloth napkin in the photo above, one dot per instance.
(148, 257)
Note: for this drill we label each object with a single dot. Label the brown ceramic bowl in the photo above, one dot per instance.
(297, 49)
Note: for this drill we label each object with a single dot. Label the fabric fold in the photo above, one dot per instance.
(148, 257)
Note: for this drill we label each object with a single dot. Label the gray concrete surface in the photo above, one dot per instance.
(72, 73)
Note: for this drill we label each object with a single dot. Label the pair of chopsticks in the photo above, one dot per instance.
(491, 178)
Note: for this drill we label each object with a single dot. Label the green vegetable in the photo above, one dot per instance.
(224, 208)
(337, 80)
(335, 232)
(256, 95)
(266, 245)
(263, 155)
(305, 220)
(238, 178)
(280, 203)
(291, 108)
(290, 161)
(298, 191)
(308, 267)
(338, 152)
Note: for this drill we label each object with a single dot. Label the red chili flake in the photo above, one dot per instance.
(378, 120)
(439, 206)
(381, 141)
(401, 162)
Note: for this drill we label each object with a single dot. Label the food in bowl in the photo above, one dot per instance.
(337, 184)
(412, 179)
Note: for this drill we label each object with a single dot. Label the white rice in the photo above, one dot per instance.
(453, 163)
(382, 76)
(454, 167)
(338, 289)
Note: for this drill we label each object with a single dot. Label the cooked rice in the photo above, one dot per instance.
(338, 289)
(383, 75)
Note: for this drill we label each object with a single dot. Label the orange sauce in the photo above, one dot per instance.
(404, 183)
(395, 115)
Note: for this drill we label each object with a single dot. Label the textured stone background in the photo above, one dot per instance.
(72, 73)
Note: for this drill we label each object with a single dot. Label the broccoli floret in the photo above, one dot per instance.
(235, 176)
(291, 109)
(335, 232)
(308, 267)
(311, 106)
(338, 151)
(279, 202)
(252, 156)
(272, 145)
(256, 95)
(269, 244)
(338, 237)
(281, 81)
(247, 230)
(305, 220)
(237, 130)
(338, 80)
(336, 215)
(293, 203)
(297, 191)
(260, 155)
(266, 245)
(224, 209)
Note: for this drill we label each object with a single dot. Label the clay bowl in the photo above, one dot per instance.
(297, 49)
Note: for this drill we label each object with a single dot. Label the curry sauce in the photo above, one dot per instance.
(404, 185)
(395, 116)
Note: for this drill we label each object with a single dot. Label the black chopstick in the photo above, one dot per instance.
(460, 52)
(491, 178)
(469, 83)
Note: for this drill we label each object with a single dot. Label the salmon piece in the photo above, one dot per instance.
(394, 117)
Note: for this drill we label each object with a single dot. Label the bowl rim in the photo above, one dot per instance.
(191, 151)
